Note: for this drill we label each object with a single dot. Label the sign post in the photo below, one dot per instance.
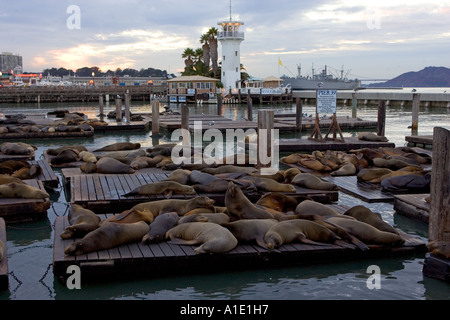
(326, 103)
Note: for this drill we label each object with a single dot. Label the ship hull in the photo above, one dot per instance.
(303, 84)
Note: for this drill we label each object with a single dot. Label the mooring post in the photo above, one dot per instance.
(118, 109)
(415, 113)
(354, 105)
(155, 117)
(249, 106)
(127, 108)
(439, 216)
(219, 104)
(298, 114)
(265, 129)
(381, 123)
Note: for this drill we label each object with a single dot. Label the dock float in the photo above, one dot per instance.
(425, 141)
(368, 192)
(137, 260)
(294, 145)
(48, 176)
(413, 206)
(103, 193)
(15, 210)
(3, 262)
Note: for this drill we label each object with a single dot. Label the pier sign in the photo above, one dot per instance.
(326, 101)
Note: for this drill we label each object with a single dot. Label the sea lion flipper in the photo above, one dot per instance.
(261, 243)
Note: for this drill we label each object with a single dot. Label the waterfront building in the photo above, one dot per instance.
(192, 89)
(9, 62)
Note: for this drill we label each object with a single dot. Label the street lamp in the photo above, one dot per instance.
(93, 75)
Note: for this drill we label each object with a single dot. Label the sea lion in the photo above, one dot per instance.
(407, 183)
(55, 152)
(82, 221)
(229, 169)
(310, 181)
(108, 235)
(180, 175)
(292, 158)
(290, 173)
(251, 230)
(212, 237)
(240, 207)
(365, 232)
(278, 201)
(304, 231)
(439, 248)
(370, 174)
(370, 136)
(65, 156)
(158, 228)
(118, 146)
(347, 169)
(88, 167)
(21, 190)
(393, 164)
(167, 188)
(2, 250)
(400, 172)
(315, 165)
(366, 215)
(110, 165)
(309, 207)
(148, 211)
(30, 172)
(269, 185)
(87, 156)
(278, 176)
(140, 162)
(16, 148)
(219, 218)
(6, 178)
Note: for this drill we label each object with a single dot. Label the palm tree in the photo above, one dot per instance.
(198, 56)
(188, 54)
(205, 47)
(213, 47)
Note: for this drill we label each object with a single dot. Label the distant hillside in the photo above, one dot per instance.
(428, 77)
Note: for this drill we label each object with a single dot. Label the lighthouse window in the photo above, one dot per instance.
(223, 58)
(236, 69)
(235, 53)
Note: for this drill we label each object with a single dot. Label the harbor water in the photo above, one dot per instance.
(30, 245)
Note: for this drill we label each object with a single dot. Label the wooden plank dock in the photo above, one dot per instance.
(48, 176)
(296, 145)
(413, 206)
(139, 260)
(368, 192)
(6, 157)
(425, 141)
(15, 210)
(4, 281)
(103, 193)
(47, 135)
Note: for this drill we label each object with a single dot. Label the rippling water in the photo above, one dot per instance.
(30, 245)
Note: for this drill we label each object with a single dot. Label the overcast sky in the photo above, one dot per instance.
(370, 39)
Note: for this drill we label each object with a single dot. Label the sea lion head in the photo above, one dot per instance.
(75, 248)
(205, 202)
(273, 240)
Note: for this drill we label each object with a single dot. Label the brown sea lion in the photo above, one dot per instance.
(180, 175)
(292, 158)
(6, 178)
(396, 173)
(158, 228)
(411, 183)
(82, 221)
(392, 164)
(87, 156)
(315, 165)
(11, 166)
(370, 136)
(309, 207)
(26, 173)
(148, 211)
(20, 190)
(278, 201)
(279, 176)
(347, 169)
(290, 173)
(167, 188)
(16, 148)
(108, 235)
(118, 146)
(304, 231)
(55, 152)
(310, 181)
(219, 218)
(65, 156)
(365, 232)
(110, 165)
(212, 237)
(140, 162)
(230, 169)
(251, 230)
(439, 248)
(269, 185)
(370, 174)
(366, 215)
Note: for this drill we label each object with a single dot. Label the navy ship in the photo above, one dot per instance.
(323, 80)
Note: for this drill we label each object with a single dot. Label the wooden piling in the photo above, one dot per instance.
(249, 107)
(439, 216)
(415, 114)
(298, 114)
(219, 104)
(354, 105)
(381, 123)
(100, 104)
(155, 117)
(127, 108)
(265, 129)
(118, 109)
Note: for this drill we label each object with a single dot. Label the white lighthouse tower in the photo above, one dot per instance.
(230, 37)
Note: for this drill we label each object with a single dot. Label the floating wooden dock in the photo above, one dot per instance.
(297, 145)
(137, 260)
(103, 193)
(114, 126)
(413, 206)
(4, 262)
(425, 141)
(368, 192)
(48, 176)
(24, 210)
(6, 157)
(47, 135)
